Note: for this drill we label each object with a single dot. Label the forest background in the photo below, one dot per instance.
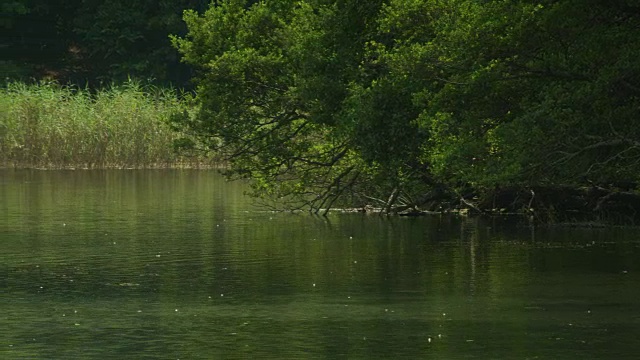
(398, 105)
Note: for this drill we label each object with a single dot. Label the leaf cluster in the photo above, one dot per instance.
(321, 102)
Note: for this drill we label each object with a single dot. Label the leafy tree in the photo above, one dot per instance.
(273, 79)
(33, 36)
(80, 40)
(385, 101)
(117, 39)
(543, 94)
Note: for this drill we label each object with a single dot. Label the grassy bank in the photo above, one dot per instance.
(127, 126)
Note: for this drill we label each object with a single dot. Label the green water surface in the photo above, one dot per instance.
(179, 264)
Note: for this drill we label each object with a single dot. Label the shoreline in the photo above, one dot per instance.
(562, 206)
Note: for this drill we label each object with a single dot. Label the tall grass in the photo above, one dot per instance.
(128, 126)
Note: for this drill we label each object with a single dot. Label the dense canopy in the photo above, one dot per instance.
(95, 41)
(393, 103)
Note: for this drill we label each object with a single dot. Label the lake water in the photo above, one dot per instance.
(180, 265)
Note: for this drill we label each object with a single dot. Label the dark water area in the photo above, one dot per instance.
(179, 264)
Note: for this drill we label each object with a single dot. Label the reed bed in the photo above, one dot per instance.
(47, 125)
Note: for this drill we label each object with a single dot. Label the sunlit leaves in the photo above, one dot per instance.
(317, 99)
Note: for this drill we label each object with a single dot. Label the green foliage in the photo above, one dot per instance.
(95, 41)
(535, 97)
(118, 39)
(127, 126)
(250, 99)
(9, 10)
(325, 100)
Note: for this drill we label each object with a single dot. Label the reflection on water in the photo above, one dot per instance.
(180, 265)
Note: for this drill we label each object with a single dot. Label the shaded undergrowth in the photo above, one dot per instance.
(128, 126)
